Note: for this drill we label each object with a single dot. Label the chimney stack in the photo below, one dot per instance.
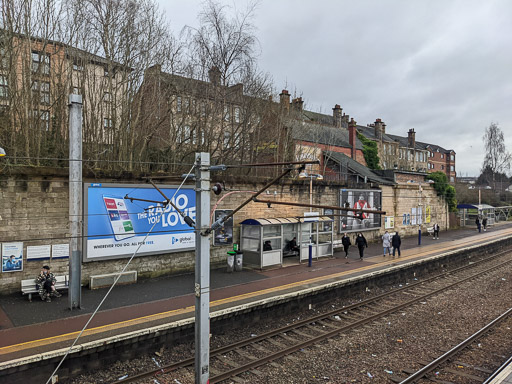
(337, 115)
(378, 129)
(297, 104)
(383, 128)
(352, 138)
(214, 75)
(411, 138)
(284, 101)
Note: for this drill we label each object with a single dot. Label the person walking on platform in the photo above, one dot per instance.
(436, 231)
(45, 283)
(484, 223)
(386, 243)
(345, 240)
(396, 242)
(478, 224)
(361, 244)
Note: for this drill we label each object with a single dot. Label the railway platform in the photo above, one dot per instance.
(37, 331)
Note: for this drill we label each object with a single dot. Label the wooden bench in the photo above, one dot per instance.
(28, 287)
(288, 253)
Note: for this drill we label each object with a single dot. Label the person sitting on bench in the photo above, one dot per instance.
(292, 245)
(45, 283)
(267, 246)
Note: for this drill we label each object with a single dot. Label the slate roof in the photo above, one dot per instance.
(357, 168)
(434, 147)
(320, 133)
(369, 132)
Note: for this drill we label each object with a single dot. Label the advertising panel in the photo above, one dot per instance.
(12, 257)
(360, 199)
(116, 226)
(223, 235)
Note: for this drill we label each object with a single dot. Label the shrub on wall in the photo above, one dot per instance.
(370, 151)
(444, 189)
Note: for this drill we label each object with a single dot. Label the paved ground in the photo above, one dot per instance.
(16, 311)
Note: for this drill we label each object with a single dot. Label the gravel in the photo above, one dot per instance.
(371, 354)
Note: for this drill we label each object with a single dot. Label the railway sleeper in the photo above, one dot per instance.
(483, 370)
(464, 374)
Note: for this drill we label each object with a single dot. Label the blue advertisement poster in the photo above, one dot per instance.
(115, 225)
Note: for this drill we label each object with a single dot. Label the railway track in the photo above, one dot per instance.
(248, 354)
(446, 369)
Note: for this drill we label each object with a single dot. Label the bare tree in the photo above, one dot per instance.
(497, 159)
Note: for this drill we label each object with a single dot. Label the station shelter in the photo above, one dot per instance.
(469, 212)
(265, 242)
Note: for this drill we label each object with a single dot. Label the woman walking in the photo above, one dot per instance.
(345, 240)
(361, 245)
(386, 243)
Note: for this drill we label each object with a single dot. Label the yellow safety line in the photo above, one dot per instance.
(138, 320)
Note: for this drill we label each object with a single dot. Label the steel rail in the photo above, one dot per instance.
(452, 352)
(246, 342)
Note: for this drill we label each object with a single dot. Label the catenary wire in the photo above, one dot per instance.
(111, 288)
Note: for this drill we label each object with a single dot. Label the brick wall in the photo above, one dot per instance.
(34, 210)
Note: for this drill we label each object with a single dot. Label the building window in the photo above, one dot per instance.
(42, 119)
(3, 58)
(4, 87)
(40, 63)
(178, 104)
(186, 105)
(452, 179)
(452, 168)
(78, 64)
(107, 97)
(186, 134)
(227, 139)
(41, 89)
(107, 123)
(442, 167)
(203, 109)
(226, 113)
(452, 157)
(237, 114)
(442, 155)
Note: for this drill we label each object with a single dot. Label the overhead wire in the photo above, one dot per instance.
(112, 287)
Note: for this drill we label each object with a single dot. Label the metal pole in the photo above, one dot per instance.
(202, 270)
(419, 216)
(75, 200)
(310, 193)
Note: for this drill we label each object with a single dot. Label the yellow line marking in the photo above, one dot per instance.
(156, 316)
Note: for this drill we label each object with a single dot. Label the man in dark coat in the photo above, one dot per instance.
(396, 242)
(478, 225)
(436, 231)
(345, 240)
(361, 244)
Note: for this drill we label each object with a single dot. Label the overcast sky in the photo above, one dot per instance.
(441, 67)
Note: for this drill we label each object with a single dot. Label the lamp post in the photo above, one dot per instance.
(311, 176)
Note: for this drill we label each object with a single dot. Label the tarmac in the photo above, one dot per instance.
(29, 329)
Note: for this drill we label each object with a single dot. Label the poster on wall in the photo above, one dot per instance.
(360, 199)
(38, 252)
(428, 214)
(413, 216)
(12, 257)
(223, 235)
(389, 222)
(419, 212)
(406, 219)
(116, 225)
(60, 251)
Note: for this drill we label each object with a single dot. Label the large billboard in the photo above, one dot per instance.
(116, 226)
(360, 199)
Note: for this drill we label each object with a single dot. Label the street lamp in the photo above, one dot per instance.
(311, 176)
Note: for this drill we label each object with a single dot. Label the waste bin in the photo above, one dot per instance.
(230, 261)
(239, 258)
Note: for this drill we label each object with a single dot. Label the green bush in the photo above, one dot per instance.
(443, 188)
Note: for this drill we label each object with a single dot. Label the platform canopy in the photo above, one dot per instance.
(475, 206)
(284, 220)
